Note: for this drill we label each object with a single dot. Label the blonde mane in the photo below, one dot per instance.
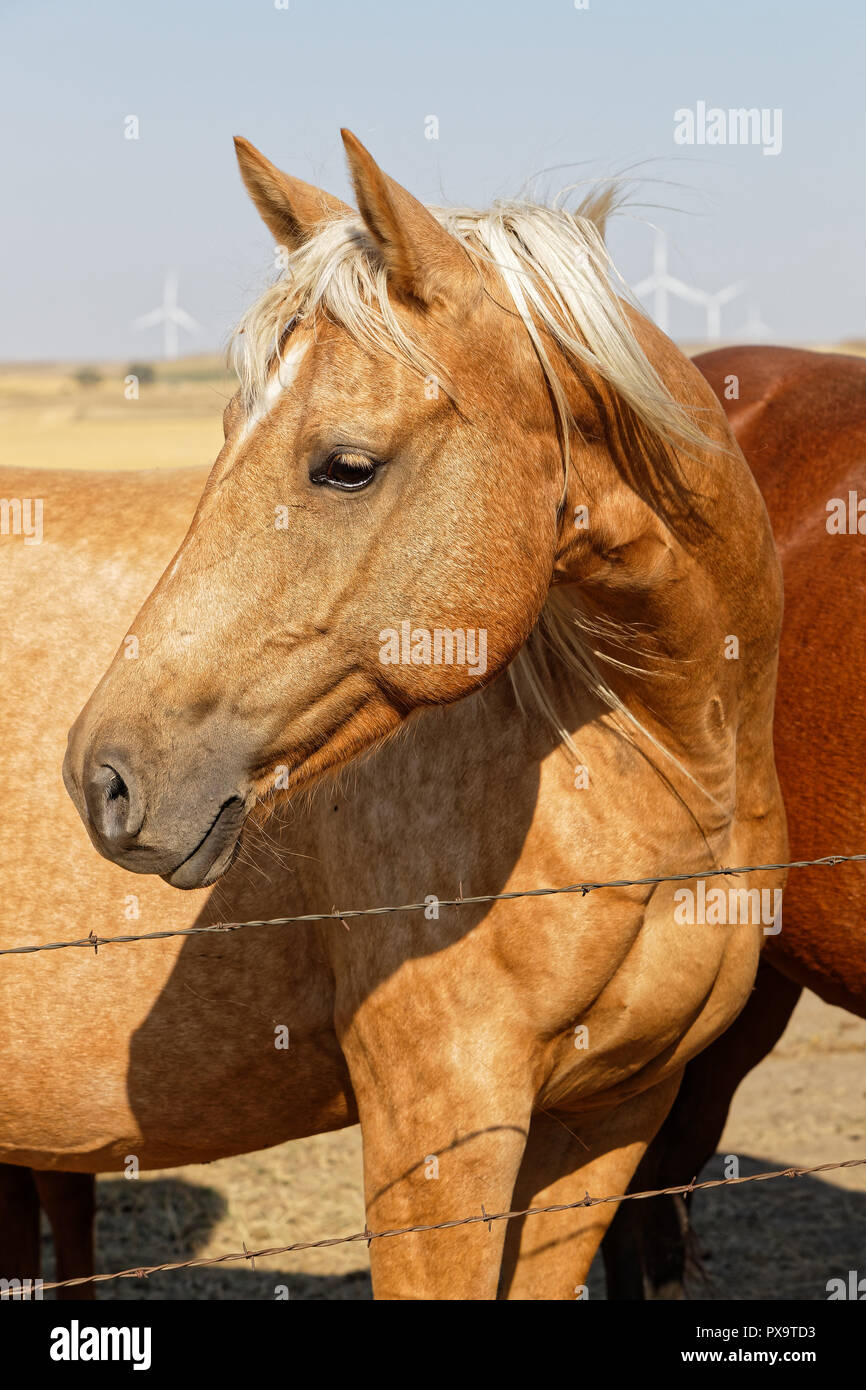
(554, 265)
(560, 281)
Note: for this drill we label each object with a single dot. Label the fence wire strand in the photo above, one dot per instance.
(93, 942)
(482, 1218)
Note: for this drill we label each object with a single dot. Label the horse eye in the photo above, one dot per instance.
(346, 471)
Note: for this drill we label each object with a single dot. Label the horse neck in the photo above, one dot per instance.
(665, 556)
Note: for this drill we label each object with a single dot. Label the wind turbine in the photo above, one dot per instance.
(713, 304)
(171, 316)
(661, 283)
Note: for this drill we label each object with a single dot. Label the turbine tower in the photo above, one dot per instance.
(171, 316)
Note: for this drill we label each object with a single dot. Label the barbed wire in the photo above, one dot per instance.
(483, 1217)
(94, 942)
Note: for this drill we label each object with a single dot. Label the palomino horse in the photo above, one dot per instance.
(800, 418)
(466, 493)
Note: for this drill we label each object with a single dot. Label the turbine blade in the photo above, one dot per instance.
(148, 320)
(731, 292)
(688, 293)
(184, 320)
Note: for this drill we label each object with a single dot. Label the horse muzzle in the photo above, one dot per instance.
(188, 833)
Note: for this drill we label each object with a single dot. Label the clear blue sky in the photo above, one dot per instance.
(93, 221)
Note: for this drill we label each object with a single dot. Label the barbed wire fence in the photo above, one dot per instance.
(483, 1217)
(93, 941)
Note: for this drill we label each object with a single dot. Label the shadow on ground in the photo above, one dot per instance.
(763, 1241)
(767, 1241)
(166, 1220)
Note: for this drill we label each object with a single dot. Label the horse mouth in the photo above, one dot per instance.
(215, 852)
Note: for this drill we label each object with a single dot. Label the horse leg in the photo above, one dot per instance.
(548, 1256)
(441, 1141)
(69, 1201)
(645, 1250)
(20, 1252)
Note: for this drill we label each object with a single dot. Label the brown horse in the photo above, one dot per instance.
(800, 418)
(468, 493)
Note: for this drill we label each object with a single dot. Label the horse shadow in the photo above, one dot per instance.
(169, 1219)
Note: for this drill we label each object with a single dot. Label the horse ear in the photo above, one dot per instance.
(422, 260)
(291, 209)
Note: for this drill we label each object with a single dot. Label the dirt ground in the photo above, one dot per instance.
(803, 1105)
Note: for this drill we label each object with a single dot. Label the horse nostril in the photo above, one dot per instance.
(108, 782)
(116, 786)
(110, 802)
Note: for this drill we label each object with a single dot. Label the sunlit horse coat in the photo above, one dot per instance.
(449, 420)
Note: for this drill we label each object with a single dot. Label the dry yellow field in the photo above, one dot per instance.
(50, 420)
